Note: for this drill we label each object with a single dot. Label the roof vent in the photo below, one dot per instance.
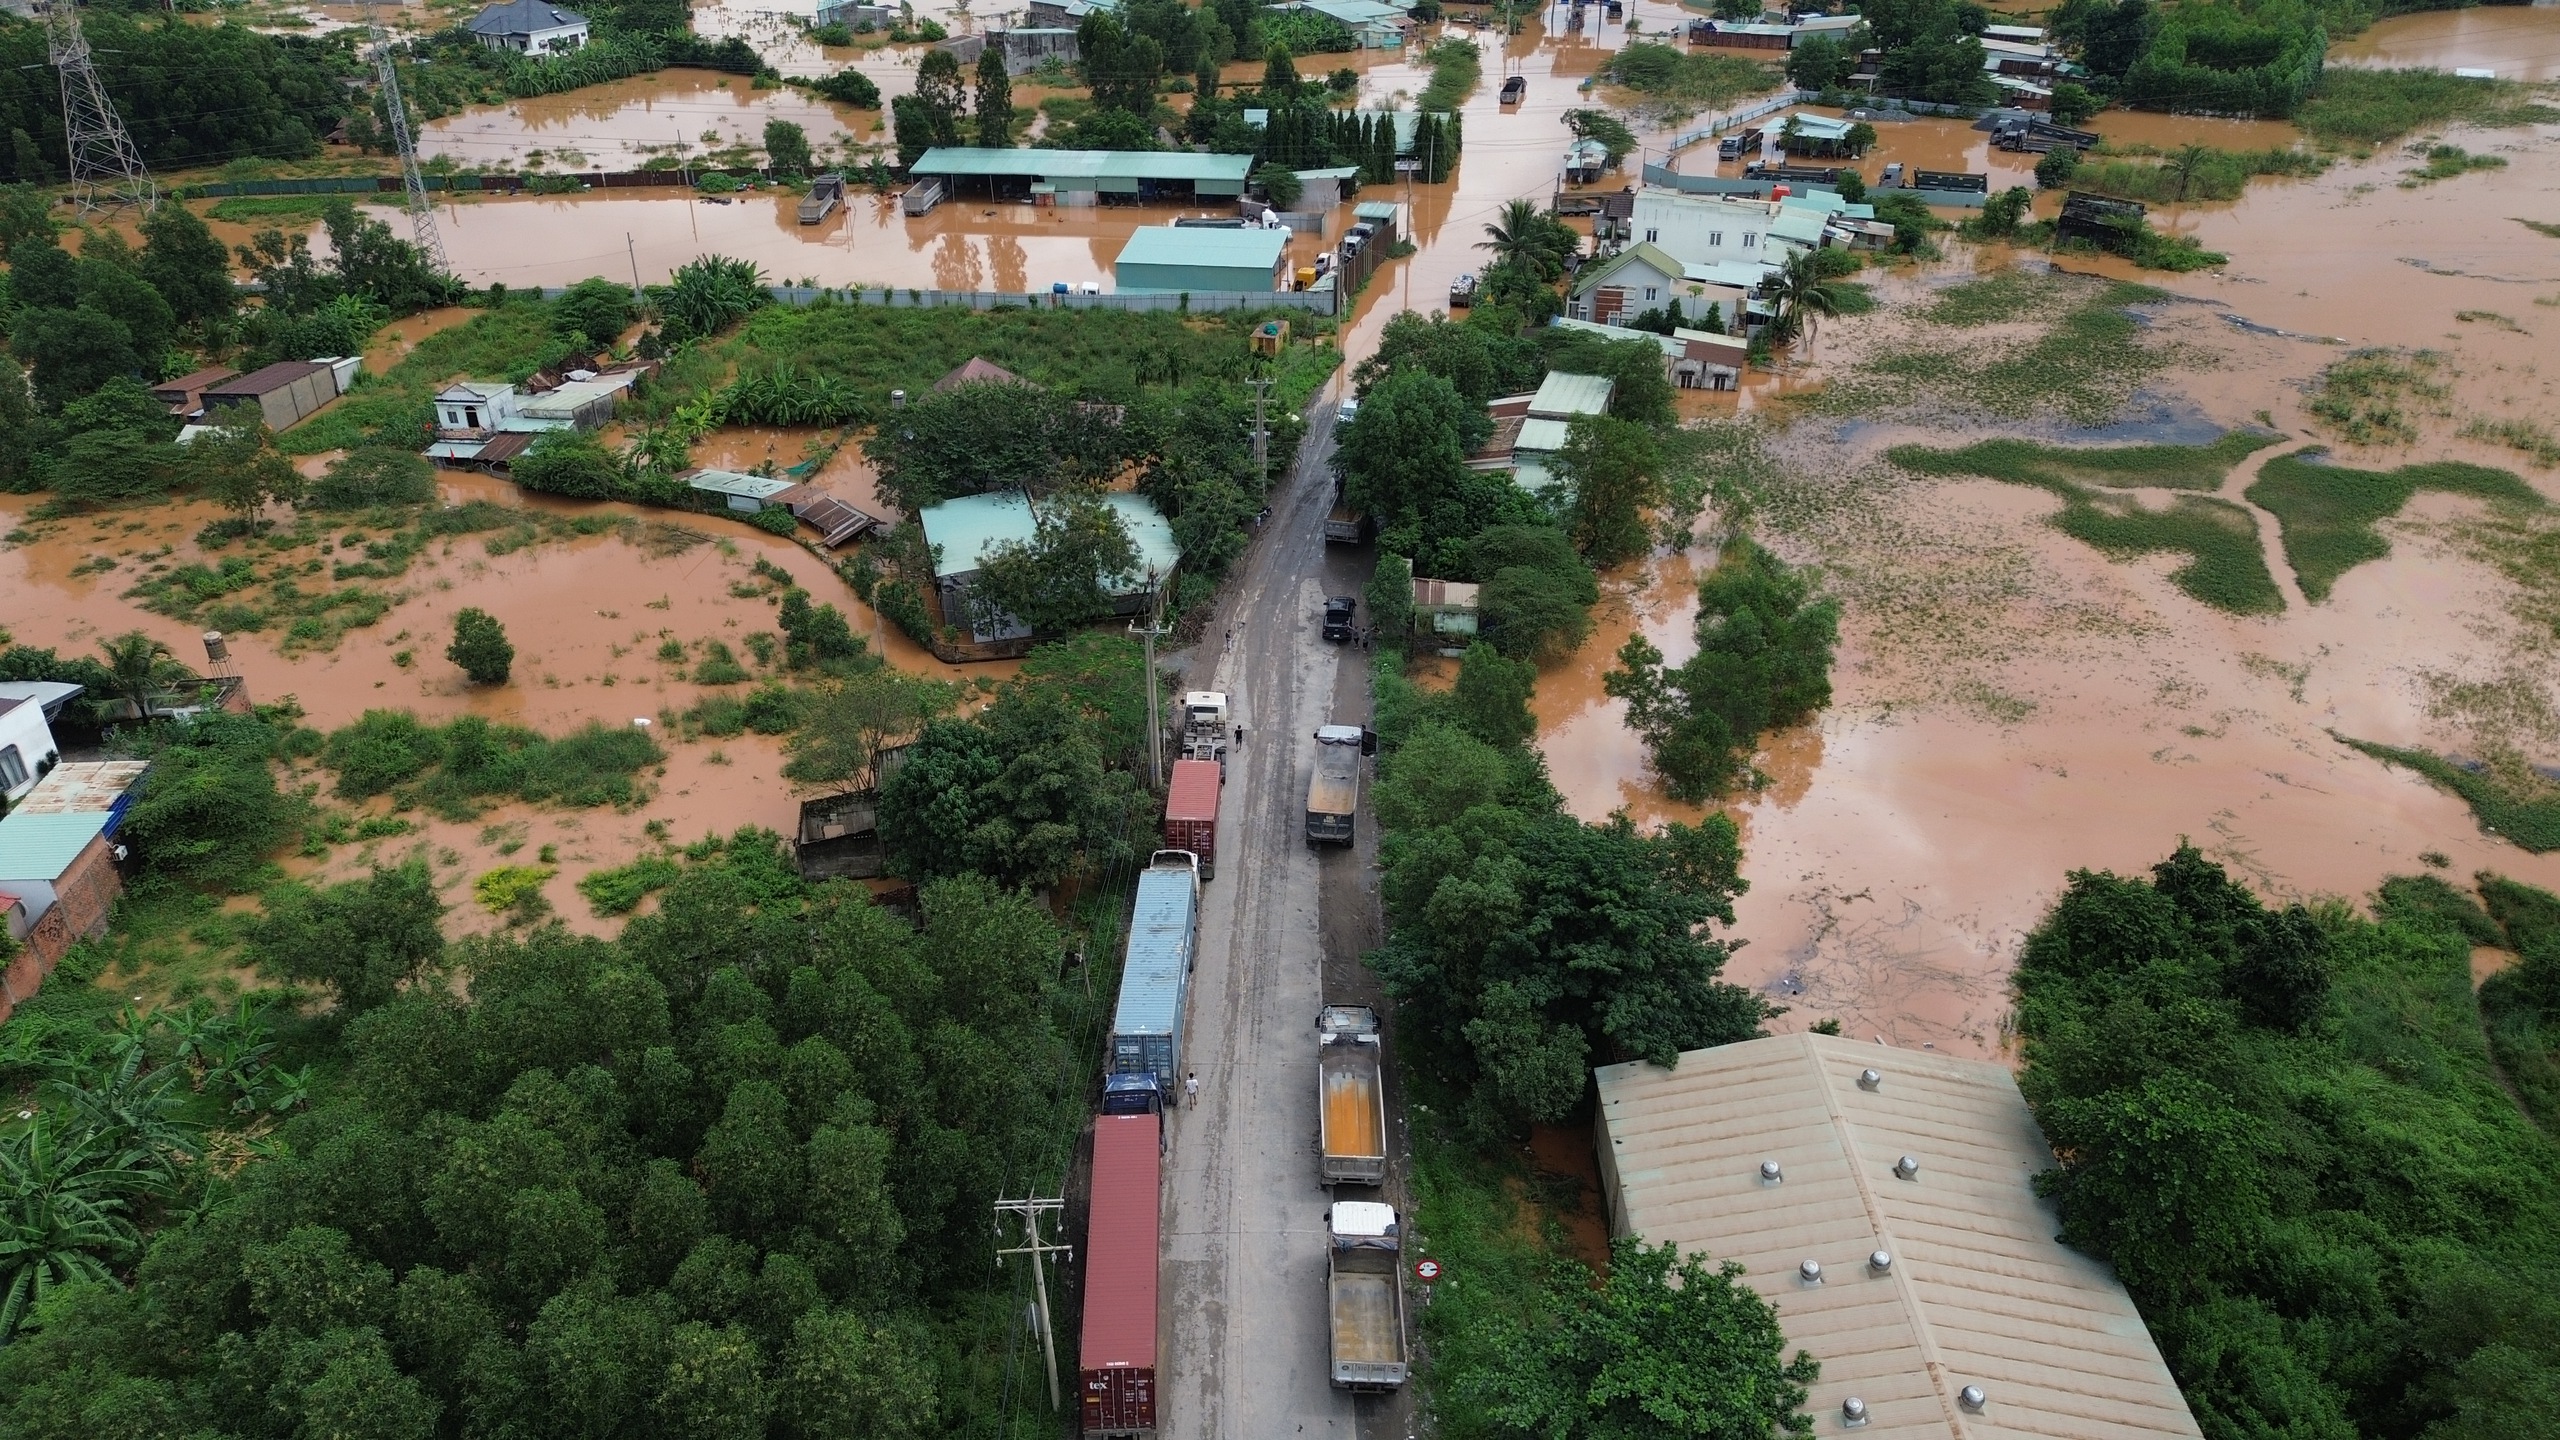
(1853, 1412)
(1881, 1262)
(1907, 1168)
(1770, 1174)
(1870, 1080)
(1972, 1398)
(1810, 1272)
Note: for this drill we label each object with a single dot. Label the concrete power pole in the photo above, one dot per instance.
(1261, 431)
(1030, 1209)
(422, 214)
(1148, 633)
(106, 171)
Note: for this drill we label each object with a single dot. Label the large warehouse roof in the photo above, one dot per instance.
(1082, 164)
(1977, 1292)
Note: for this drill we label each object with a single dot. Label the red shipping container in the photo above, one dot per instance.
(1117, 1372)
(1191, 812)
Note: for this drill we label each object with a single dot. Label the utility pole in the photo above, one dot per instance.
(1030, 1208)
(1155, 723)
(422, 213)
(106, 171)
(1261, 432)
(638, 295)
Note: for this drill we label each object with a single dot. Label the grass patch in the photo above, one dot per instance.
(2444, 162)
(2373, 397)
(2508, 798)
(2062, 468)
(2215, 175)
(1677, 82)
(1456, 66)
(2225, 567)
(2361, 108)
(2088, 362)
(2327, 513)
(618, 891)
(457, 770)
(2539, 227)
(251, 209)
(2522, 436)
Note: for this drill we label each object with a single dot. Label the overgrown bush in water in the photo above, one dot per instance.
(707, 296)
(787, 394)
(375, 475)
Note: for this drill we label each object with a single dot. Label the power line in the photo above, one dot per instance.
(422, 212)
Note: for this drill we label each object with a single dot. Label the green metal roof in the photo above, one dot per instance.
(1198, 245)
(1562, 394)
(1149, 531)
(42, 847)
(1652, 255)
(735, 482)
(1083, 164)
(1801, 226)
(1374, 210)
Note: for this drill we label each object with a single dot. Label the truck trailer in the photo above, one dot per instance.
(1351, 1101)
(1333, 796)
(1155, 971)
(1364, 1283)
(1191, 812)
(1116, 1369)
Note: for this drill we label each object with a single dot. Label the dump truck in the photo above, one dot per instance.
(1191, 812)
(1116, 1364)
(1351, 1100)
(1155, 970)
(1344, 525)
(1364, 1281)
(1204, 727)
(1333, 796)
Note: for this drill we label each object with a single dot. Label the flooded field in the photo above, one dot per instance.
(2519, 42)
(620, 125)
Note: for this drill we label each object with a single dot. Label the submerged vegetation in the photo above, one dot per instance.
(2510, 798)
(2328, 512)
(2368, 398)
(2081, 365)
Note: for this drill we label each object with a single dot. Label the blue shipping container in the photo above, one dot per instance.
(1155, 974)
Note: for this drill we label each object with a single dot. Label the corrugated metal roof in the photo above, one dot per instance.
(92, 787)
(1082, 164)
(1122, 1244)
(1443, 594)
(1193, 792)
(1375, 209)
(261, 381)
(41, 847)
(732, 482)
(1543, 436)
(1978, 1291)
(964, 529)
(1149, 532)
(523, 17)
(1153, 976)
(1195, 245)
(1563, 394)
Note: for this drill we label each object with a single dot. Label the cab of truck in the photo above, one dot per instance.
(1138, 1094)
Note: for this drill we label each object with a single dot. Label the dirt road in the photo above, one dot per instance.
(1281, 931)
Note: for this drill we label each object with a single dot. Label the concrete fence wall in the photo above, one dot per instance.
(1320, 302)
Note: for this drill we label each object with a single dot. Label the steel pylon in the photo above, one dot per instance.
(106, 170)
(422, 212)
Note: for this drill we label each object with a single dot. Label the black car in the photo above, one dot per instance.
(1337, 618)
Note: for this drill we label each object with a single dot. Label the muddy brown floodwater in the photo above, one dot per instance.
(617, 126)
(2519, 42)
(2087, 713)
(587, 616)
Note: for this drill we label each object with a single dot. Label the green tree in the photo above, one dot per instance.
(849, 1376)
(1665, 1347)
(480, 647)
(995, 100)
(2073, 102)
(1390, 597)
(374, 475)
(1818, 64)
(1535, 593)
(1079, 559)
(1279, 184)
(2055, 167)
(839, 743)
(786, 147)
(143, 667)
(371, 261)
(1530, 239)
(211, 816)
(1612, 472)
(69, 353)
(1124, 70)
(595, 311)
(1604, 127)
(1404, 463)
(942, 93)
(42, 275)
(1803, 295)
(1491, 698)
(364, 939)
(189, 268)
(2184, 165)
(996, 436)
(237, 468)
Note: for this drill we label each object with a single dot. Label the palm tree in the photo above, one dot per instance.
(1804, 294)
(141, 666)
(62, 1214)
(2184, 165)
(1516, 238)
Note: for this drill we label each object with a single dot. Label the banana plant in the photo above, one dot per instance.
(65, 1198)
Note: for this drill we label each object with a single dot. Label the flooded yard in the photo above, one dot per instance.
(620, 125)
(2518, 42)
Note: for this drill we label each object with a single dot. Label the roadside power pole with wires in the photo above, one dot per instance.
(1030, 1209)
(1148, 634)
(1261, 431)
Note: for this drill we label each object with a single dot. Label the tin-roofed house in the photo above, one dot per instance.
(58, 880)
(529, 27)
(961, 535)
(1164, 259)
(1445, 614)
(285, 393)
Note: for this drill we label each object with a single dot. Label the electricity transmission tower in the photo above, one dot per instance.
(106, 171)
(422, 215)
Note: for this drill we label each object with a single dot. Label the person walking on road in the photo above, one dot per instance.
(1191, 1088)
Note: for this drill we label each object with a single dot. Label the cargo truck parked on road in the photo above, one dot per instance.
(1204, 727)
(1191, 812)
(1155, 972)
(1351, 1103)
(1364, 1282)
(1333, 797)
(1116, 1369)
